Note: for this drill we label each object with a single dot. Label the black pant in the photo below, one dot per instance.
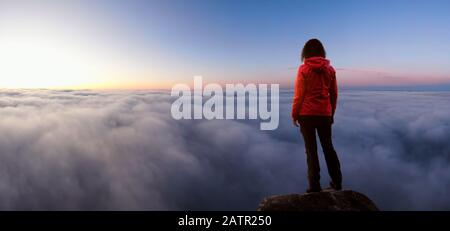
(308, 127)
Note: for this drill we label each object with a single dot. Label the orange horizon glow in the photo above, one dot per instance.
(36, 61)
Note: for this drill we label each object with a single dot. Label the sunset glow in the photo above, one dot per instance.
(39, 63)
(153, 45)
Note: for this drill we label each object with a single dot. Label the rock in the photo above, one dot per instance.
(328, 200)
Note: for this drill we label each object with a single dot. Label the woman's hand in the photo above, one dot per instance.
(295, 122)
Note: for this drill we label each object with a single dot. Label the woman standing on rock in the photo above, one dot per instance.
(313, 107)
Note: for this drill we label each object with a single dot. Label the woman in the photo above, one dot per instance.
(313, 107)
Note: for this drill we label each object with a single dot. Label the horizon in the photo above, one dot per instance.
(413, 88)
(154, 45)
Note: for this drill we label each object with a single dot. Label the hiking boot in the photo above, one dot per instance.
(336, 187)
(313, 190)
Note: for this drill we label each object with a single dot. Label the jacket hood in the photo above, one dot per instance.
(317, 63)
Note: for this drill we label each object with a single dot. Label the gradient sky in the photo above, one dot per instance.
(154, 44)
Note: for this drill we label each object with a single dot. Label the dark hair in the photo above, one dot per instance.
(313, 48)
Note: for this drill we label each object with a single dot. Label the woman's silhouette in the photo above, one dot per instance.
(313, 107)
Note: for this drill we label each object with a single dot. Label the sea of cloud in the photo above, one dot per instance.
(121, 150)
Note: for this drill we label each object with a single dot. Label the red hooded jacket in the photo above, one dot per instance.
(315, 91)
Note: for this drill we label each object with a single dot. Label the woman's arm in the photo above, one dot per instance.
(299, 95)
(333, 93)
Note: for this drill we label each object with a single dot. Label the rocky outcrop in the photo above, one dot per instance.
(328, 200)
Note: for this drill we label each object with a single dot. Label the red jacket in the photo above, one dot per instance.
(315, 91)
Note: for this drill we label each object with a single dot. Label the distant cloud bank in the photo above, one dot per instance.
(121, 150)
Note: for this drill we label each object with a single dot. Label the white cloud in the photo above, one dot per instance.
(121, 150)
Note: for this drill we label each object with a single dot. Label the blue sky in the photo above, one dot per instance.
(151, 42)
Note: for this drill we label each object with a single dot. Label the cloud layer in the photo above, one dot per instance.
(121, 150)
